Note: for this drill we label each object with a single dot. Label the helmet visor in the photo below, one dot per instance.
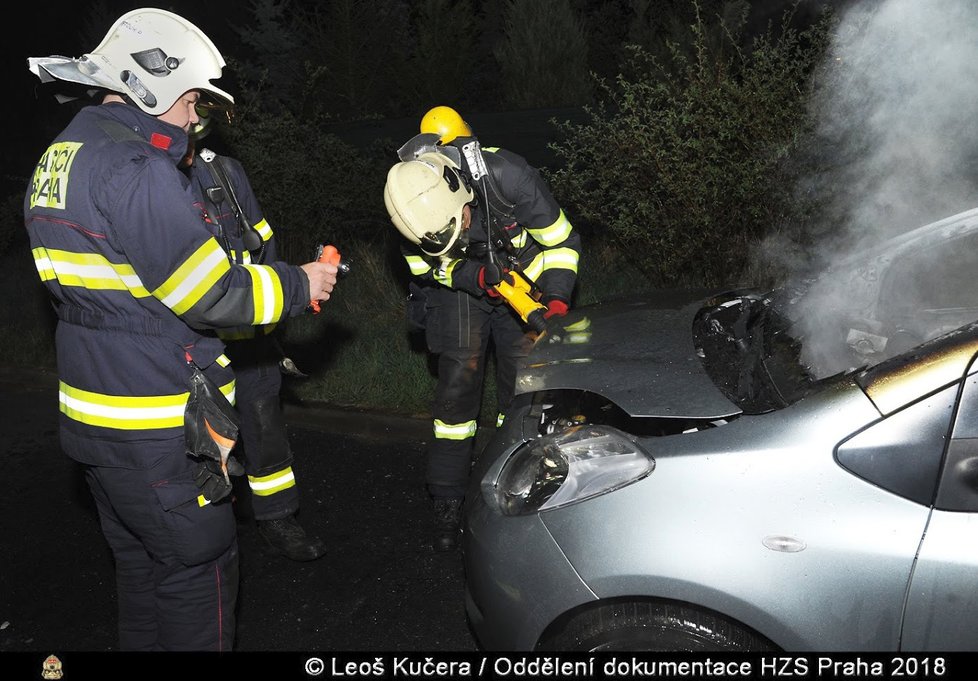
(209, 110)
(436, 243)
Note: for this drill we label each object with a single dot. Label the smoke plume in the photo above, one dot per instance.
(897, 137)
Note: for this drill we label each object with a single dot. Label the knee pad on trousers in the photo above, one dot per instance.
(264, 438)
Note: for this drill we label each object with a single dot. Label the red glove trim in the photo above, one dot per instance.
(490, 289)
(555, 308)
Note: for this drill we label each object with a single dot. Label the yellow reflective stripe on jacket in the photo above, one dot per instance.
(444, 273)
(454, 431)
(126, 412)
(45, 268)
(267, 291)
(417, 264)
(553, 233)
(555, 258)
(500, 418)
(268, 485)
(87, 270)
(222, 361)
(264, 229)
(194, 277)
(519, 241)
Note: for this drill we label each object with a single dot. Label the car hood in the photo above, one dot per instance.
(637, 352)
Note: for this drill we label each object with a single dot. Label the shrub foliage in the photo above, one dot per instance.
(684, 163)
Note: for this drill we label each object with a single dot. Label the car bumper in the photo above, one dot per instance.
(517, 578)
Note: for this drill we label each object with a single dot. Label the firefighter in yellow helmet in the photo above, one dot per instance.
(469, 215)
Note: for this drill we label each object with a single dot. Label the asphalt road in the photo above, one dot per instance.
(379, 588)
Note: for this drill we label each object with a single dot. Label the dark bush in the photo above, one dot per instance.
(684, 163)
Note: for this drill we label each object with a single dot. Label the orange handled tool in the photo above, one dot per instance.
(328, 254)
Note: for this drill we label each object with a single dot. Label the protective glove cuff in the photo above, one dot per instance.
(555, 308)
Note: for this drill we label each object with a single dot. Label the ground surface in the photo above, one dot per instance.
(380, 587)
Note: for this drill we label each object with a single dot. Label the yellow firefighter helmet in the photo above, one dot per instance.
(445, 122)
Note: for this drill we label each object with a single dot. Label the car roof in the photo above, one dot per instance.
(939, 230)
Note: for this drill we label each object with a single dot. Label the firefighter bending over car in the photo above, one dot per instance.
(478, 220)
(140, 282)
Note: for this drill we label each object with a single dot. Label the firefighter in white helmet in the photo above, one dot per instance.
(139, 281)
(469, 217)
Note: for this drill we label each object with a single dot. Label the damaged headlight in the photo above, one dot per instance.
(570, 466)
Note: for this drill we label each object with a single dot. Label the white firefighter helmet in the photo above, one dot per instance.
(445, 122)
(424, 198)
(150, 55)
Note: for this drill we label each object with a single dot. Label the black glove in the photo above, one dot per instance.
(211, 481)
(489, 276)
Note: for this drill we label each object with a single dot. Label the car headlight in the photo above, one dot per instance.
(567, 467)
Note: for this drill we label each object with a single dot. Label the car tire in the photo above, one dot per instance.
(651, 626)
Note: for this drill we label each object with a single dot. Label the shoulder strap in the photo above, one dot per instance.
(481, 173)
(252, 239)
(498, 209)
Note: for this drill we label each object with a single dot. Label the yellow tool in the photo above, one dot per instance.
(517, 290)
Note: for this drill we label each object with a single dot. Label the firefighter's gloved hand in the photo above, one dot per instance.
(489, 276)
(555, 308)
(210, 478)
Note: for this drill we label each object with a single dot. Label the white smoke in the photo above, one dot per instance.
(897, 138)
(897, 115)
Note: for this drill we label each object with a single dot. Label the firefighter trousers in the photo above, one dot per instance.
(176, 560)
(460, 329)
(263, 444)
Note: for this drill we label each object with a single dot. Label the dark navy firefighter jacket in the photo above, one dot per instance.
(140, 283)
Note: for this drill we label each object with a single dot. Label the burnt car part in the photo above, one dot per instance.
(747, 350)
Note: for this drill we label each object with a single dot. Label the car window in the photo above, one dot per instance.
(959, 481)
(902, 453)
(936, 277)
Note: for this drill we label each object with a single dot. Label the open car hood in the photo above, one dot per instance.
(636, 352)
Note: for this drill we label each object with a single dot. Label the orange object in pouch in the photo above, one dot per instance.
(210, 422)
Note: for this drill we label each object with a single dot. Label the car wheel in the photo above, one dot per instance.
(652, 627)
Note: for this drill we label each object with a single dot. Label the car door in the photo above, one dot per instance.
(942, 600)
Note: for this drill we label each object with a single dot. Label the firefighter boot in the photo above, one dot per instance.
(287, 537)
(448, 520)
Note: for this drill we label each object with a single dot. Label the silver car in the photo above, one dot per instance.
(677, 477)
